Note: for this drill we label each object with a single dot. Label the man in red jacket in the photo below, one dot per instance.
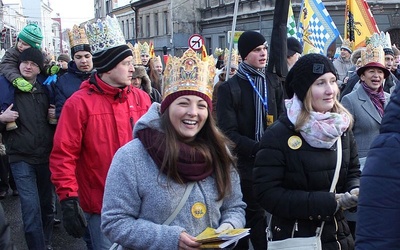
(95, 121)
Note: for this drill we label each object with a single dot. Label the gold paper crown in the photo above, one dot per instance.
(144, 48)
(348, 44)
(189, 72)
(77, 36)
(104, 34)
(136, 54)
(218, 51)
(234, 58)
(381, 39)
(157, 59)
(374, 50)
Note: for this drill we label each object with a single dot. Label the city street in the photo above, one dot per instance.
(61, 240)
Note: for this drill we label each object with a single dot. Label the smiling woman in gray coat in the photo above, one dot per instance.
(176, 145)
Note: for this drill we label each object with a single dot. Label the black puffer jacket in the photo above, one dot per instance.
(293, 184)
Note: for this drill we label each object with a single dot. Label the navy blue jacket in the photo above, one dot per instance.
(67, 84)
(378, 221)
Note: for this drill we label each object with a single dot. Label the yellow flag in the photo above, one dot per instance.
(360, 24)
(203, 53)
(151, 50)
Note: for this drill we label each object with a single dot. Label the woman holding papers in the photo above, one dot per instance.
(176, 178)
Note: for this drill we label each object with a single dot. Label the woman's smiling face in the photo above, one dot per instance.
(188, 114)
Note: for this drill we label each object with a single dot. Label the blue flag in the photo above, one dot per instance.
(316, 30)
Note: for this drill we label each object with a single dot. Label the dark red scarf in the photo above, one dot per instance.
(191, 166)
(377, 97)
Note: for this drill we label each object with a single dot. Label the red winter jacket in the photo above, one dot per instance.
(95, 122)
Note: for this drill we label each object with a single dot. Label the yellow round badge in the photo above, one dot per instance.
(294, 142)
(198, 210)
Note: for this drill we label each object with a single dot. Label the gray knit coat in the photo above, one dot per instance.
(138, 199)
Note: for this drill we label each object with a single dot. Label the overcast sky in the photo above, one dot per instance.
(73, 11)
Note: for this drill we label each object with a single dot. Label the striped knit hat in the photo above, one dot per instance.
(106, 60)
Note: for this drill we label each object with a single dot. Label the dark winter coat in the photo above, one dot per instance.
(140, 72)
(33, 139)
(9, 64)
(293, 184)
(238, 121)
(378, 222)
(67, 84)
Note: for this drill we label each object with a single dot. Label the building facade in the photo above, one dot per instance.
(170, 23)
(17, 14)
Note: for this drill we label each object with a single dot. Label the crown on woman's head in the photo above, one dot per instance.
(374, 50)
(234, 58)
(77, 36)
(157, 59)
(136, 54)
(104, 34)
(189, 72)
(144, 48)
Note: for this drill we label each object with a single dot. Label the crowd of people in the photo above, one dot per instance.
(140, 154)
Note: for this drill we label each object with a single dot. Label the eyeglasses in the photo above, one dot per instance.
(30, 64)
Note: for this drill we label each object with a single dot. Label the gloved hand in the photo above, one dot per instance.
(223, 227)
(22, 84)
(73, 217)
(355, 191)
(50, 79)
(346, 200)
(52, 70)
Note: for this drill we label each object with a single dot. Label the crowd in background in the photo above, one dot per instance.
(198, 143)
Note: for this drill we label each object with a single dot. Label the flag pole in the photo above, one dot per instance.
(277, 62)
(228, 67)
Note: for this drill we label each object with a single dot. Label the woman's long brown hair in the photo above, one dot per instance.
(211, 142)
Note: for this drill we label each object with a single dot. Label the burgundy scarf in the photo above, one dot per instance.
(191, 167)
(377, 97)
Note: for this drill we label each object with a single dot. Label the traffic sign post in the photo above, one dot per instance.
(196, 42)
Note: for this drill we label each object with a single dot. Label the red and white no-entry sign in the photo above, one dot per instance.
(196, 42)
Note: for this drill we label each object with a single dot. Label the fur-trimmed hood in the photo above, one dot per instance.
(140, 72)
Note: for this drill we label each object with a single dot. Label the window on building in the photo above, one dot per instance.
(141, 32)
(108, 6)
(133, 27)
(165, 22)
(123, 28)
(208, 45)
(221, 42)
(148, 26)
(156, 24)
(127, 29)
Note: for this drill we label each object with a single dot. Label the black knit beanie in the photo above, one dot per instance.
(304, 73)
(80, 47)
(33, 55)
(248, 41)
(293, 46)
(106, 60)
(388, 51)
